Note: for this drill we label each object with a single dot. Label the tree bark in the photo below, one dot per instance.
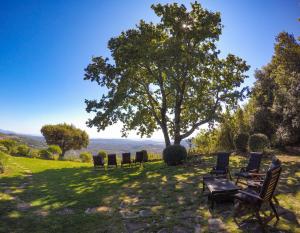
(166, 135)
(62, 154)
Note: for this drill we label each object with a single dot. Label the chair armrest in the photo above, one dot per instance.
(253, 171)
(256, 174)
(251, 195)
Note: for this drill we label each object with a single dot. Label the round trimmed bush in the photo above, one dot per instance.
(50, 153)
(22, 150)
(174, 155)
(103, 154)
(241, 142)
(55, 150)
(258, 142)
(85, 157)
(34, 153)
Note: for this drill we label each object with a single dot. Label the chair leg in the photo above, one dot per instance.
(274, 210)
(237, 180)
(260, 221)
(230, 177)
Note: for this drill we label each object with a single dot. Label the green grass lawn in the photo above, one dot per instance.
(58, 196)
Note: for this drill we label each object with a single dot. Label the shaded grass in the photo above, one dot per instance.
(172, 195)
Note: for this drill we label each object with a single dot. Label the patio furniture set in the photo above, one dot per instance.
(250, 190)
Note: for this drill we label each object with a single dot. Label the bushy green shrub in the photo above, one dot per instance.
(85, 157)
(47, 154)
(22, 150)
(174, 154)
(34, 153)
(3, 161)
(241, 142)
(3, 149)
(8, 143)
(103, 154)
(258, 142)
(55, 150)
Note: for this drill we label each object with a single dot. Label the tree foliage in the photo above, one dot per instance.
(65, 136)
(166, 76)
(277, 92)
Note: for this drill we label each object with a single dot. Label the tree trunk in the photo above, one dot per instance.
(177, 139)
(166, 135)
(62, 154)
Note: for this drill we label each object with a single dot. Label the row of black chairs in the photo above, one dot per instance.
(126, 159)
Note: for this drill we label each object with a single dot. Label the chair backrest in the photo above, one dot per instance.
(222, 160)
(112, 159)
(254, 161)
(126, 158)
(98, 160)
(139, 156)
(271, 181)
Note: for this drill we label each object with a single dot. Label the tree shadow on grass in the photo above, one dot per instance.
(147, 198)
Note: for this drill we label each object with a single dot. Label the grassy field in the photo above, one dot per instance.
(59, 196)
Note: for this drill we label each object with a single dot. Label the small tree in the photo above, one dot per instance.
(166, 76)
(65, 136)
(8, 143)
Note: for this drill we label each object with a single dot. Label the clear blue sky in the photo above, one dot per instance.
(45, 46)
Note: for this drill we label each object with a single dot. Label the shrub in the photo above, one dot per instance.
(103, 154)
(241, 142)
(54, 150)
(174, 155)
(22, 150)
(258, 142)
(8, 143)
(46, 154)
(3, 149)
(3, 161)
(34, 153)
(85, 157)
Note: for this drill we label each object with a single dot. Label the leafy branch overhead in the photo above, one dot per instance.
(166, 76)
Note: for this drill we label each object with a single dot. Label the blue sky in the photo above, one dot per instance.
(45, 46)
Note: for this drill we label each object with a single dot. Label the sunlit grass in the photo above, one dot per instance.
(56, 187)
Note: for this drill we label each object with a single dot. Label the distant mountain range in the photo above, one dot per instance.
(110, 145)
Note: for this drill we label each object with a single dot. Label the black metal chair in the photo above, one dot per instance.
(112, 160)
(139, 157)
(253, 200)
(252, 167)
(222, 167)
(126, 159)
(98, 162)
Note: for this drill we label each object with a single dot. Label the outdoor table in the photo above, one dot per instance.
(219, 188)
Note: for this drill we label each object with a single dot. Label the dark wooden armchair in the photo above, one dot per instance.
(222, 166)
(139, 157)
(112, 160)
(98, 162)
(126, 159)
(252, 167)
(253, 200)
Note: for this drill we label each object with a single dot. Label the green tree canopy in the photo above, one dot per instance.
(166, 76)
(65, 136)
(276, 93)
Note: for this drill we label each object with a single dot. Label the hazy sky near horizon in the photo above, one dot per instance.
(45, 46)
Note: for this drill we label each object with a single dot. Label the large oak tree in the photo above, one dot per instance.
(166, 76)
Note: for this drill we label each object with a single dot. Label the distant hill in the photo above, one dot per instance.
(110, 145)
